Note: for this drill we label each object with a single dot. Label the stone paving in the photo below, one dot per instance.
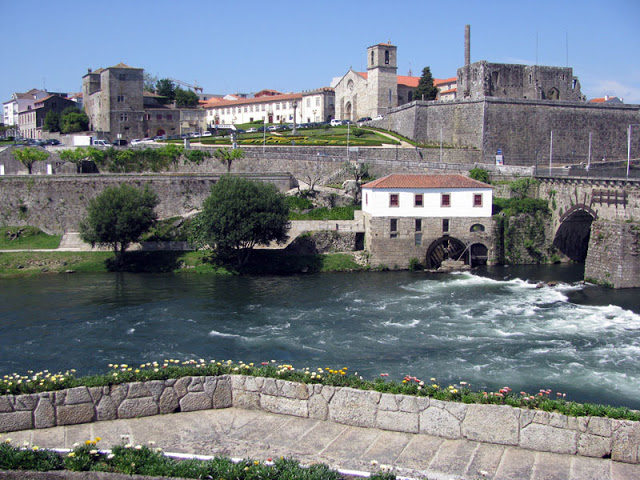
(241, 433)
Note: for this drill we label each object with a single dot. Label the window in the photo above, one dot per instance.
(159, 116)
(393, 227)
(418, 240)
(476, 227)
(418, 200)
(124, 117)
(418, 224)
(277, 106)
(445, 200)
(477, 200)
(308, 102)
(386, 57)
(262, 107)
(394, 200)
(122, 76)
(366, 199)
(317, 101)
(120, 98)
(169, 117)
(246, 109)
(371, 58)
(445, 225)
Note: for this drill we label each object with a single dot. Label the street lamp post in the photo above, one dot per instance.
(295, 105)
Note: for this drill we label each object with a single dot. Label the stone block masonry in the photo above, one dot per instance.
(536, 430)
(613, 258)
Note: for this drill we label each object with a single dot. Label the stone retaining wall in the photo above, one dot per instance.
(503, 425)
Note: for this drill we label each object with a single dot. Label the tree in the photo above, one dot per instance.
(240, 214)
(185, 98)
(73, 120)
(28, 156)
(425, 86)
(80, 154)
(226, 156)
(357, 171)
(149, 82)
(119, 216)
(479, 174)
(166, 88)
(52, 121)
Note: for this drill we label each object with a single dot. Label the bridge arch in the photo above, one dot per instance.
(572, 237)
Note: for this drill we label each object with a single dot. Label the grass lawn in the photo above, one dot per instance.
(27, 237)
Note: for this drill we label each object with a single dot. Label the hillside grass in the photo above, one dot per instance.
(27, 237)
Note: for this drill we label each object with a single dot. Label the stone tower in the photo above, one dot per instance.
(382, 77)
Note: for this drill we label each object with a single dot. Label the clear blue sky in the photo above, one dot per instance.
(290, 46)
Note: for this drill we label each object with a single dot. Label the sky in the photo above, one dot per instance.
(292, 46)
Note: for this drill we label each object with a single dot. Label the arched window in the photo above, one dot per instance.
(477, 227)
(386, 57)
(371, 58)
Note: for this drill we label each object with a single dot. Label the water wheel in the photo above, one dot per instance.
(445, 248)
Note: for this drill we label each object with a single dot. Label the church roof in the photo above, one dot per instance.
(396, 180)
(412, 81)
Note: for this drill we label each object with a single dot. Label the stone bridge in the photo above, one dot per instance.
(597, 220)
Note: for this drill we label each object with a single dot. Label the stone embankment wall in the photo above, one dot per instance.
(502, 425)
(613, 258)
(57, 203)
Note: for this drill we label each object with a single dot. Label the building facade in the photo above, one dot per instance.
(19, 102)
(119, 108)
(31, 120)
(272, 107)
(427, 217)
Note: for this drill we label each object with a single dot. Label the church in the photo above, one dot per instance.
(376, 91)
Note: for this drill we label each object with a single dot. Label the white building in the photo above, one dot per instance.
(272, 107)
(427, 217)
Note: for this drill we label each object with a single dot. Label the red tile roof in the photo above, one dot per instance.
(425, 181)
(250, 101)
(438, 81)
(408, 81)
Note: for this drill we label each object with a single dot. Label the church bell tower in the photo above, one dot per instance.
(382, 77)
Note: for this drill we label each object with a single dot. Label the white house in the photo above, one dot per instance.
(427, 217)
(427, 196)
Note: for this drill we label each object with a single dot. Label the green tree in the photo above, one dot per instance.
(185, 98)
(28, 156)
(73, 120)
(227, 156)
(172, 152)
(119, 216)
(51, 121)
(81, 154)
(240, 214)
(479, 174)
(167, 89)
(425, 86)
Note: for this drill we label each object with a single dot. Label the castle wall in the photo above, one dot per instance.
(521, 128)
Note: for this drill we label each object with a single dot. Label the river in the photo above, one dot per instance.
(491, 328)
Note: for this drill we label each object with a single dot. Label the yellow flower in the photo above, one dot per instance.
(72, 454)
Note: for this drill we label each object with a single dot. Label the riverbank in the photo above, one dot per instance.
(30, 263)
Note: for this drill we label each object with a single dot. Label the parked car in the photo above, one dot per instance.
(53, 141)
(378, 117)
(272, 128)
(363, 120)
(252, 130)
(335, 122)
(136, 141)
(120, 142)
(101, 143)
(207, 134)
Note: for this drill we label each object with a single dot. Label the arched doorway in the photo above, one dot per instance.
(160, 132)
(572, 238)
(479, 254)
(446, 248)
(348, 109)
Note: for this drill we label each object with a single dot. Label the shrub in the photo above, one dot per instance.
(479, 174)
(414, 264)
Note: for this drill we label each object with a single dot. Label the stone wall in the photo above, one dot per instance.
(596, 437)
(613, 258)
(57, 203)
(521, 128)
(396, 251)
